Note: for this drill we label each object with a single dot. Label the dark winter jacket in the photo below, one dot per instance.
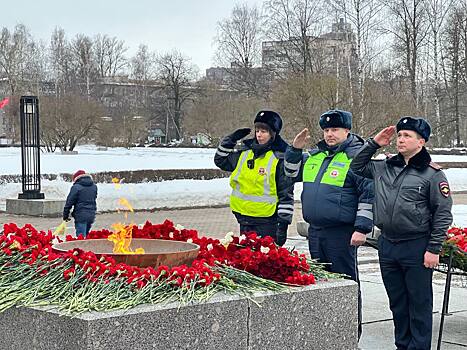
(411, 201)
(326, 205)
(82, 197)
(226, 158)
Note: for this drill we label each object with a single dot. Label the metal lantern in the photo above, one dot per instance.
(30, 148)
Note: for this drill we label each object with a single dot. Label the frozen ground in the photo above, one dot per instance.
(175, 193)
(113, 159)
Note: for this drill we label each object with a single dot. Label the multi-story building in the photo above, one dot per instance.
(327, 53)
(330, 53)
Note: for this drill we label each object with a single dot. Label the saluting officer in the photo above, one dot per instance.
(336, 202)
(262, 196)
(413, 210)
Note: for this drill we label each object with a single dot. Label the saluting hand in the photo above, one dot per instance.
(301, 139)
(430, 260)
(383, 138)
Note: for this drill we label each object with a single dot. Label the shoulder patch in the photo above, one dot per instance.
(435, 166)
(444, 188)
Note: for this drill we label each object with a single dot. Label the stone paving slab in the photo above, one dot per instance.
(377, 328)
(212, 222)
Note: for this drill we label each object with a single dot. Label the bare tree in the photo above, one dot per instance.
(365, 18)
(110, 55)
(84, 62)
(177, 74)
(294, 24)
(436, 11)
(142, 65)
(454, 69)
(67, 120)
(409, 27)
(61, 68)
(238, 42)
(14, 54)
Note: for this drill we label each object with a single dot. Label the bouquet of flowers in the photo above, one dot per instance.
(456, 245)
(31, 273)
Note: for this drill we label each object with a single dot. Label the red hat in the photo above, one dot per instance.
(78, 175)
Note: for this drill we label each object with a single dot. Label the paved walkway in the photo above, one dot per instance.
(377, 327)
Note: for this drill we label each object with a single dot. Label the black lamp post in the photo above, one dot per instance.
(30, 148)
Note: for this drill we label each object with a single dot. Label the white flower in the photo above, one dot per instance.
(179, 227)
(189, 240)
(171, 235)
(242, 238)
(209, 246)
(264, 250)
(227, 239)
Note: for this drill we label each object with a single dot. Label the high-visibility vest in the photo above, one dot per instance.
(254, 190)
(335, 173)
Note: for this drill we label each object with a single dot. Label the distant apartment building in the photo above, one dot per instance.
(332, 52)
(228, 77)
(327, 53)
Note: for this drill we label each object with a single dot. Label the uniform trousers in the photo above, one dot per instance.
(332, 245)
(408, 285)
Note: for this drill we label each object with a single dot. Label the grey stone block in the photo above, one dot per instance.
(322, 316)
(302, 228)
(35, 207)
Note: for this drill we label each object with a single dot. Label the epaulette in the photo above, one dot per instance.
(435, 166)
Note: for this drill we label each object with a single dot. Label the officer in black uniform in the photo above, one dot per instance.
(413, 210)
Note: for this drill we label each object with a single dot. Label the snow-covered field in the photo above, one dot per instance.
(176, 193)
(114, 159)
(92, 160)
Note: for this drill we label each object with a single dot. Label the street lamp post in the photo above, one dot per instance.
(30, 148)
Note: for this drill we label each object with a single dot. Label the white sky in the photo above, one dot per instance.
(187, 25)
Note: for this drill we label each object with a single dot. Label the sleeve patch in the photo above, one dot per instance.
(444, 188)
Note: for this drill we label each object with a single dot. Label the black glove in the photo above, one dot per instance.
(281, 233)
(239, 134)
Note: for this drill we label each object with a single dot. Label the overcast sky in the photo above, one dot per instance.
(187, 25)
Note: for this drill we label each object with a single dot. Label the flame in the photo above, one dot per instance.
(122, 239)
(125, 203)
(123, 234)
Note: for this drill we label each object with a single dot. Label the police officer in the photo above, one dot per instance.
(336, 202)
(262, 196)
(413, 211)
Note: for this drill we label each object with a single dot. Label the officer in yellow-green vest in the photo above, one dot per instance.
(262, 196)
(336, 202)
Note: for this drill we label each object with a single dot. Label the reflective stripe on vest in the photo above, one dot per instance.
(254, 190)
(335, 173)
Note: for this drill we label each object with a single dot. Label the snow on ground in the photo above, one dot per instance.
(460, 215)
(138, 158)
(176, 193)
(114, 159)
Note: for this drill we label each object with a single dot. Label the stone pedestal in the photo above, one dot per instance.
(35, 207)
(322, 316)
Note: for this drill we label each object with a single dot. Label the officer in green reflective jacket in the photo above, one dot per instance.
(262, 196)
(336, 202)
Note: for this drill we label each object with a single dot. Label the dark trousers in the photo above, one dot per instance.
(409, 288)
(83, 228)
(332, 245)
(262, 230)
